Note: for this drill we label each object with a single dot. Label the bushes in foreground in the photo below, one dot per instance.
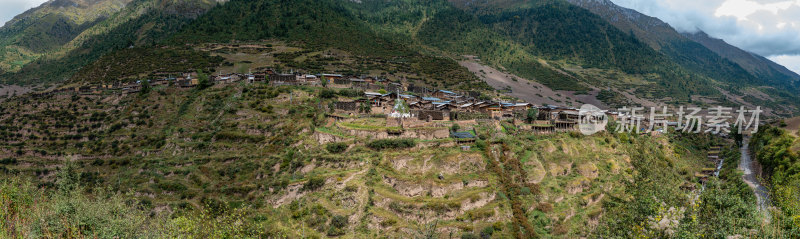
(30, 212)
(392, 144)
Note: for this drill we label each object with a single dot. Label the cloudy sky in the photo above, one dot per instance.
(768, 27)
(11, 8)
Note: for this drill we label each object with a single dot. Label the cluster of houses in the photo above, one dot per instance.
(448, 105)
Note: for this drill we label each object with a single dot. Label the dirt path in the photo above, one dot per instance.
(751, 175)
(361, 196)
(343, 183)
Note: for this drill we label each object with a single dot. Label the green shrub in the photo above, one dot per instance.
(351, 93)
(314, 183)
(487, 232)
(455, 127)
(30, 212)
(338, 223)
(469, 235)
(171, 186)
(238, 136)
(337, 147)
(392, 144)
(8, 161)
(480, 144)
(327, 94)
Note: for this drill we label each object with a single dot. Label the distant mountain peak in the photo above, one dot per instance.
(752, 62)
(659, 34)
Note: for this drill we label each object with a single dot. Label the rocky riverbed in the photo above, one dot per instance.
(752, 176)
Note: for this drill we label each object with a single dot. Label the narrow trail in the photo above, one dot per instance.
(747, 165)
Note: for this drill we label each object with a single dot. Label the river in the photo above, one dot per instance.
(750, 177)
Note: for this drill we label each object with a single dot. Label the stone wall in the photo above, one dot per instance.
(423, 134)
(341, 81)
(429, 114)
(346, 106)
(468, 115)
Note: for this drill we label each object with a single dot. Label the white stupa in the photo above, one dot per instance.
(400, 109)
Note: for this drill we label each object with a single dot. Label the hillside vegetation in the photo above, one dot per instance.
(777, 151)
(139, 23)
(46, 28)
(260, 161)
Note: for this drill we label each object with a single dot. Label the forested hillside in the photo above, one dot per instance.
(48, 27)
(140, 23)
(756, 65)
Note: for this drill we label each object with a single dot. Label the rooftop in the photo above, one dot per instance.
(462, 135)
(448, 92)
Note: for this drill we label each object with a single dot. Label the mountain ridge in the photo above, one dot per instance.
(658, 34)
(752, 62)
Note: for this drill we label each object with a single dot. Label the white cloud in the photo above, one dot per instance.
(766, 27)
(11, 8)
(791, 62)
(743, 8)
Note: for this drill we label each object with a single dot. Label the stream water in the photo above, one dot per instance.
(747, 165)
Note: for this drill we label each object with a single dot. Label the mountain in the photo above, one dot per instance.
(697, 51)
(136, 23)
(753, 63)
(533, 42)
(314, 26)
(579, 47)
(48, 27)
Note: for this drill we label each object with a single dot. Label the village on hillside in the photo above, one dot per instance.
(407, 107)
